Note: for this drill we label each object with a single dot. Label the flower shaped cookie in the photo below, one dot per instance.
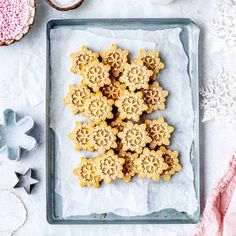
(150, 164)
(76, 97)
(152, 61)
(134, 137)
(129, 168)
(172, 160)
(98, 108)
(155, 97)
(80, 136)
(82, 58)
(159, 131)
(103, 137)
(109, 166)
(87, 173)
(131, 105)
(113, 90)
(116, 58)
(136, 76)
(96, 75)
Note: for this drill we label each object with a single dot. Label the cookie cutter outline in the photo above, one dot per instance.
(26, 123)
(29, 174)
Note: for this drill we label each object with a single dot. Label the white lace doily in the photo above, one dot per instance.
(223, 28)
(13, 213)
(219, 98)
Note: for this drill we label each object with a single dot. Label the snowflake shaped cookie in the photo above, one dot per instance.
(150, 164)
(116, 58)
(87, 173)
(134, 137)
(98, 108)
(159, 131)
(76, 97)
(129, 168)
(113, 90)
(152, 61)
(82, 58)
(171, 159)
(80, 136)
(103, 137)
(14, 135)
(96, 75)
(131, 105)
(136, 76)
(109, 166)
(219, 98)
(155, 97)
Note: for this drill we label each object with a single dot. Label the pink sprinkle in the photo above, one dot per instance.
(14, 15)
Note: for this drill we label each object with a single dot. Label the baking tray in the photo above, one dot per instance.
(189, 38)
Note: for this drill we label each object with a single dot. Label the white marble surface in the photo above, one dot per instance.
(25, 61)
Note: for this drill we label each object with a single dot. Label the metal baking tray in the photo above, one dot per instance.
(189, 38)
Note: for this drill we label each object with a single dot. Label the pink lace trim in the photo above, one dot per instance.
(217, 205)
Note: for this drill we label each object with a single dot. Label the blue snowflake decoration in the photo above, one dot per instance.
(13, 135)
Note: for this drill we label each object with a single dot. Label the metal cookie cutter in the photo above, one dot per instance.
(26, 181)
(13, 135)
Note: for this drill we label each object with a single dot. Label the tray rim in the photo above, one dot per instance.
(49, 202)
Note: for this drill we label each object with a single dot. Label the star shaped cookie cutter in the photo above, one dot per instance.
(13, 135)
(26, 181)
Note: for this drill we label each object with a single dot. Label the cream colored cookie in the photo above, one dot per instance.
(98, 108)
(159, 131)
(76, 97)
(82, 58)
(87, 173)
(131, 105)
(134, 137)
(136, 76)
(152, 61)
(116, 58)
(103, 137)
(155, 97)
(81, 135)
(150, 164)
(171, 159)
(96, 75)
(109, 166)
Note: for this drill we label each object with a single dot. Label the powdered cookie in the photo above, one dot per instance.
(98, 108)
(136, 76)
(159, 131)
(109, 166)
(87, 173)
(80, 136)
(154, 97)
(131, 105)
(134, 137)
(150, 164)
(116, 58)
(103, 137)
(76, 97)
(96, 75)
(82, 58)
(172, 160)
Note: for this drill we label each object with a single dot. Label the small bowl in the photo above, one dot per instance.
(26, 29)
(67, 8)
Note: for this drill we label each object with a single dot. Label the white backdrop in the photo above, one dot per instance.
(23, 64)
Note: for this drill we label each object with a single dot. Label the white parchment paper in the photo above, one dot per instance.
(140, 196)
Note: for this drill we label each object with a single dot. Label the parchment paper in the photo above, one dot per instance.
(139, 196)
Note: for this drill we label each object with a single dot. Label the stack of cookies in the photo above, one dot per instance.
(114, 94)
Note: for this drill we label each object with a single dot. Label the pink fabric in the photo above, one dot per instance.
(219, 216)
